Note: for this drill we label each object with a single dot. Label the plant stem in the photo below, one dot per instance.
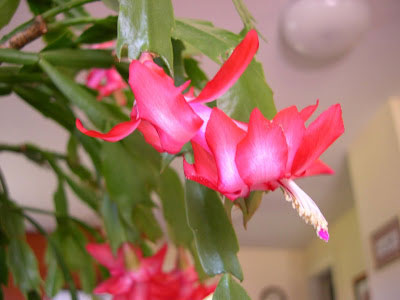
(45, 16)
(67, 6)
(85, 226)
(71, 22)
(24, 148)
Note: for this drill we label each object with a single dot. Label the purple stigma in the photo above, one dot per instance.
(323, 234)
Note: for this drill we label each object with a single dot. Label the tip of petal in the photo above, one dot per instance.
(323, 234)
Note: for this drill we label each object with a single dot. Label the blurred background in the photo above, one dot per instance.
(345, 51)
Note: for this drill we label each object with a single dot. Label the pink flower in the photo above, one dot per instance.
(132, 275)
(264, 155)
(106, 82)
(162, 113)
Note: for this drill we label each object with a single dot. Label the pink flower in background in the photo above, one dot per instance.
(132, 275)
(264, 155)
(190, 286)
(107, 82)
(167, 118)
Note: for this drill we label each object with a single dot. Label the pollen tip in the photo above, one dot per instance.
(323, 234)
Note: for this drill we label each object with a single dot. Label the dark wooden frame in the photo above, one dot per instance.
(391, 226)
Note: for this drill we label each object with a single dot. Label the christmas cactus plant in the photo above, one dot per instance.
(145, 102)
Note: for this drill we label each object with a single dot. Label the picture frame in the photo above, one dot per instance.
(386, 243)
(360, 287)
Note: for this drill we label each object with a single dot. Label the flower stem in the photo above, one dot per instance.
(25, 148)
(71, 22)
(25, 30)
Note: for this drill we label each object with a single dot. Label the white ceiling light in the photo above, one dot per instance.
(324, 28)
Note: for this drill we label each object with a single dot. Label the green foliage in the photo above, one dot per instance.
(54, 278)
(251, 90)
(23, 265)
(146, 222)
(96, 112)
(112, 4)
(3, 267)
(248, 92)
(118, 186)
(172, 197)
(229, 289)
(39, 6)
(60, 199)
(251, 204)
(196, 75)
(7, 10)
(146, 25)
(126, 177)
(215, 238)
(102, 30)
(112, 223)
(213, 42)
(247, 19)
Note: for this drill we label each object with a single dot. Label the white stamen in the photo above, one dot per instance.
(306, 207)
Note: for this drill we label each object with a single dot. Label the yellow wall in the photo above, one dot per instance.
(374, 161)
(343, 254)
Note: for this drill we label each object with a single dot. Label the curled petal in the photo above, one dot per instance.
(293, 128)
(319, 135)
(150, 135)
(317, 168)
(117, 133)
(261, 156)
(306, 207)
(231, 69)
(162, 104)
(204, 170)
(223, 136)
(204, 113)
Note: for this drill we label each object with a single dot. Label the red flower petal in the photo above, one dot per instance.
(162, 104)
(318, 167)
(262, 155)
(204, 113)
(103, 254)
(308, 111)
(153, 264)
(150, 134)
(231, 69)
(318, 137)
(117, 133)
(293, 127)
(222, 136)
(115, 285)
(204, 170)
